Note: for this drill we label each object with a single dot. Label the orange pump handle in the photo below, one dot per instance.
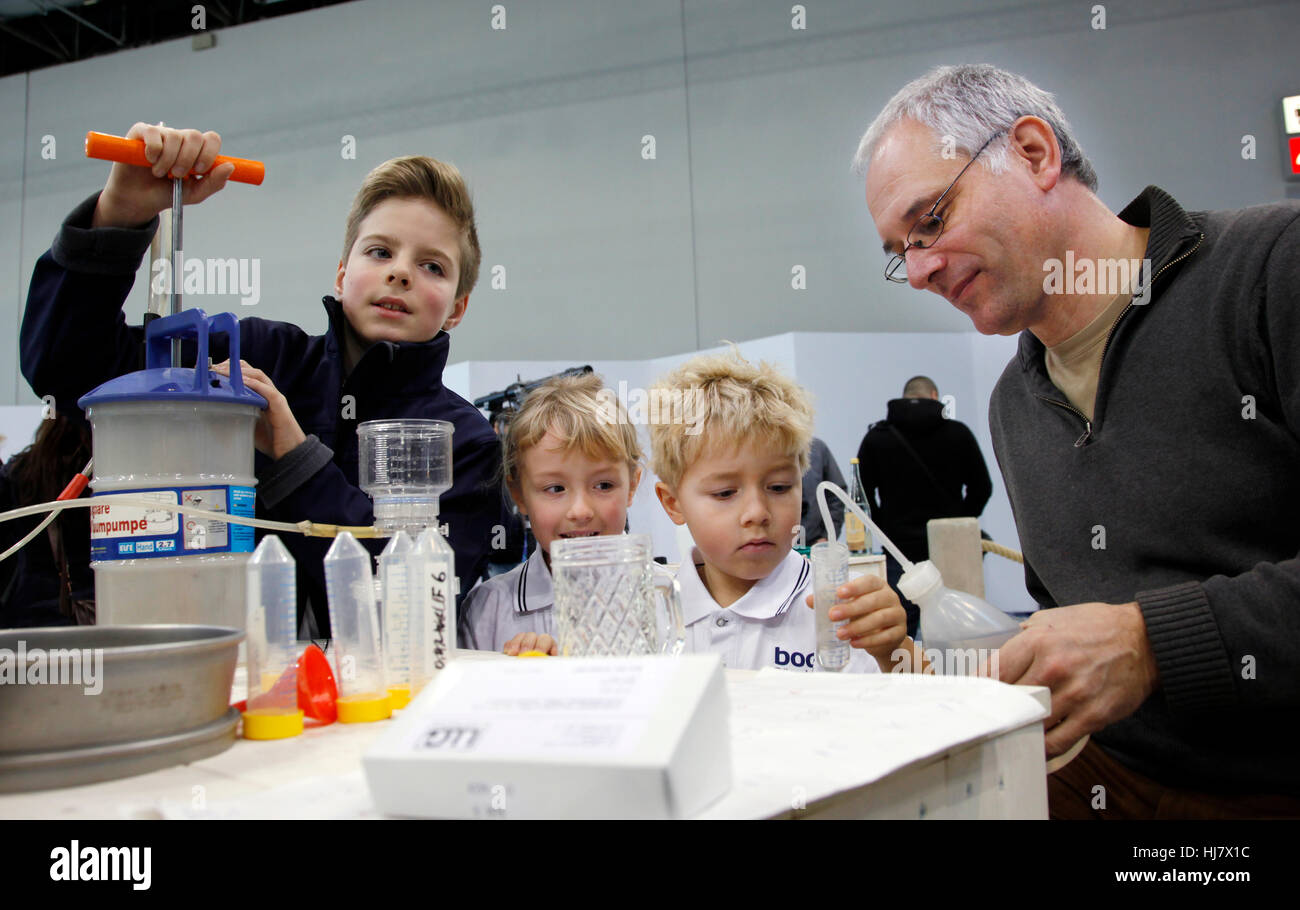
(131, 151)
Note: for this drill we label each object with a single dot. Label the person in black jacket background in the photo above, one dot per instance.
(34, 590)
(916, 465)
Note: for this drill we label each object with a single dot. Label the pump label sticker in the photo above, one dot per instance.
(113, 521)
(122, 531)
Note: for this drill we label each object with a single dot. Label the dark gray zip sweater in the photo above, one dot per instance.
(1183, 493)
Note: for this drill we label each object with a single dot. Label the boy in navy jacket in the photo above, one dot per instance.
(410, 260)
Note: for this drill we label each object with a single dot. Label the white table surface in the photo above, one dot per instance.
(790, 758)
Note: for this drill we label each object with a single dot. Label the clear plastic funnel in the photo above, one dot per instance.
(404, 466)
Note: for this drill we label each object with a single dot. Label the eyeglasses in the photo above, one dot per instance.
(925, 233)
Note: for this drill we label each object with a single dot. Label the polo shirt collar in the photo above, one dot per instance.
(534, 590)
(769, 597)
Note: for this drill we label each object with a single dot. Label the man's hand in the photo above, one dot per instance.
(277, 432)
(876, 623)
(133, 195)
(1095, 658)
(531, 641)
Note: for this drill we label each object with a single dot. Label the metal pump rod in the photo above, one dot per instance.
(177, 266)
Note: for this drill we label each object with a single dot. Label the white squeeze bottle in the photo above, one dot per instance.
(963, 629)
(961, 632)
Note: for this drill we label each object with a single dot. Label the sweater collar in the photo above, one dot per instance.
(421, 362)
(1171, 226)
(1172, 230)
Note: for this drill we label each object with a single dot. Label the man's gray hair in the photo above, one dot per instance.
(970, 103)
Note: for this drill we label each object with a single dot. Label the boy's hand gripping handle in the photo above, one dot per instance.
(131, 151)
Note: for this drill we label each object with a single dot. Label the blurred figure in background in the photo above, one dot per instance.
(916, 465)
(821, 466)
(49, 581)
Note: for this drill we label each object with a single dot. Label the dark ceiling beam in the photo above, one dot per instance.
(120, 42)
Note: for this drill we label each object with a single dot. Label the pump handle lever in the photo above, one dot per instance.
(131, 151)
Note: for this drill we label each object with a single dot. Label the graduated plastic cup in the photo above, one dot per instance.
(404, 466)
(608, 596)
(830, 564)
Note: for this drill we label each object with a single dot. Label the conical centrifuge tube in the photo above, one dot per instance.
(830, 566)
(358, 656)
(395, 576)
(433, 607)
(272, 711)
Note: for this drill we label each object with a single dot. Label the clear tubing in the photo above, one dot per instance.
(26, 540)
(830, 565)
(358, 654)
(395, 577)
(308, 528)
(433, 607)
(888, 544)
(272, 636)
(60, 505)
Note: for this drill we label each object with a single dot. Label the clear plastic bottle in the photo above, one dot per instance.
(830, 565)
(395, 579)
(358, 655)
(856, 534)
(272, 592)
(960, 631)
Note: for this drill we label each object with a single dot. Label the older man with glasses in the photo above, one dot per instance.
(1148, 431)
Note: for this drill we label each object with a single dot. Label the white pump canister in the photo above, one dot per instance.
(177, 436)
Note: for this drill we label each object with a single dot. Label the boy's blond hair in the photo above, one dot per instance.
(421, 177)
(734, 401)
(577, 409)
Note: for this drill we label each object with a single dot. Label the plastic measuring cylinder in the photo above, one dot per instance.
(178, 436)
(830, 565)
(272, 710)
(358, 655)
(433, 607)
(396, 575)
(404, 466)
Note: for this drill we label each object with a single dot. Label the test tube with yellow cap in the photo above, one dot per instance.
(358, 656)
(395, 577)
(272, 711)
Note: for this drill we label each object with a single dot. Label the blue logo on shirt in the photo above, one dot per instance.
(784, 658)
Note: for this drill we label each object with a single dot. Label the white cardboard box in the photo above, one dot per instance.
(643, 737)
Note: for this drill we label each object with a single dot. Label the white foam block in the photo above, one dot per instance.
(643, 737)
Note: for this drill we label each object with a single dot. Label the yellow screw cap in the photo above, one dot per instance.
(360, 709)
(271, 724)
(399, 696)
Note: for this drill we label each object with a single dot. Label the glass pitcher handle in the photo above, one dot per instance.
(666, 581)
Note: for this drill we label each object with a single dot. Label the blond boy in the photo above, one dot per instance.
(735, 483)
(572, 468)
(410, 259)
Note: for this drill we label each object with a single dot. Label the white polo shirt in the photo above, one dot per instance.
(770, 626)
(498, 609)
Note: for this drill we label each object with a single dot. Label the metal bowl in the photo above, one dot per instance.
(85, 687)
